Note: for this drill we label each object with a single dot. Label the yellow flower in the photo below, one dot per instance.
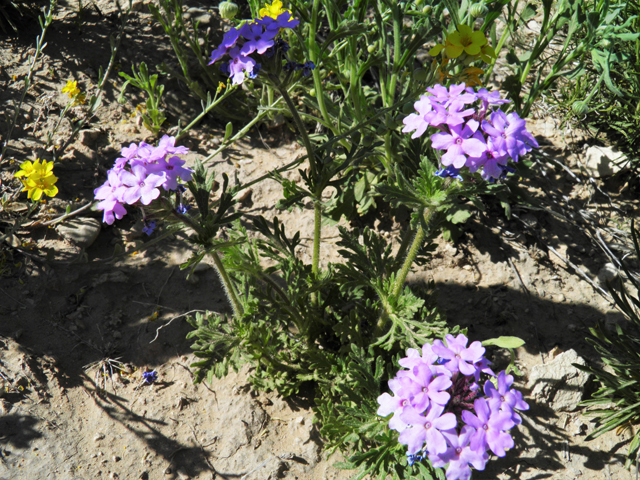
(463, 40)
(273, 10)
(37, 178)
(71, 89)
(74, 92)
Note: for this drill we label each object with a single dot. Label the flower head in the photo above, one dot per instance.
(273, 10)
(37, 179)
(72, 90)
(149, 377)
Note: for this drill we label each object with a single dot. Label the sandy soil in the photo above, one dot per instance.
(67, 316)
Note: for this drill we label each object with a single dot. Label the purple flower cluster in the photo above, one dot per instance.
(259, 37)
(472, 132)
(138, 175)
(442, 413)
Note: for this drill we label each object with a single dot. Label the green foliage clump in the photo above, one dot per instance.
(617, 399)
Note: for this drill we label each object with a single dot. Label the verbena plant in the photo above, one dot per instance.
(617, 401)
(338, 330)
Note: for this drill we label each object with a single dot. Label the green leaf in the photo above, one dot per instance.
(504, 342)
(228, 131)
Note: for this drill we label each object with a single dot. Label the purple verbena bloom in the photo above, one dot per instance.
(490, 428)
(169, 145)
(462, 141)
(128, 153)
(142, 185)
(111, 195)
(172, 169)
(459, 455)
(228, 41)
(257, 39)
(418, 121)
(455, 95)
(426, 428)
(510, 133)
(491, 159)
(238, 65)
(403, 389)
(413, 357)
(504, 399)
(451, 116)
(432, 387)
(460, 358)
(284, 20)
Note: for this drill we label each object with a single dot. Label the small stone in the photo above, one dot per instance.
(137, 6)
(80, 231)
(88, 137)
(603, 161)
(167, 471)
(182, 475)
(558, 383)
(98, 436)
(607, 273)
(529, 220)
(117, 335)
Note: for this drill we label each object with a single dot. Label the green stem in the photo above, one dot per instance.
(390, 301)
(317, 207)
(206, 110)
(313, 56)
(228, 285)
(48, 18)
(302, 130)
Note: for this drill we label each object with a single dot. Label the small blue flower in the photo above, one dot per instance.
(411, 459)
(450, 171)
(149, 227)
(255, 71)
(182, 208)
(307, 68)
(150, 377)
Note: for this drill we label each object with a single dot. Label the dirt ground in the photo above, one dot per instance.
(70, 319)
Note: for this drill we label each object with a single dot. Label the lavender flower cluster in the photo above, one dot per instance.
(472, 132)
(137, 175)
(441, 411)
(259, 37)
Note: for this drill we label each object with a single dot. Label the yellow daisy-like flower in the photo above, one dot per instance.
(37, 179)
(273, 10)
(463, 40)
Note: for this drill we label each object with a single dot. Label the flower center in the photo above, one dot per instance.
(485, 426)
(169, 167)
(427, 425)
(458, 451)
(458, 142)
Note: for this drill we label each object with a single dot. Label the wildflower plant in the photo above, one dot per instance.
(152, 117)
(615, 405)
(338, 328)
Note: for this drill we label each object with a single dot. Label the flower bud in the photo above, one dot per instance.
(312, 92)
(580, 108)
(427, 10)
(606, 43)
(419, 3)
(228, 10)
(371, 48)
(478, 10)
